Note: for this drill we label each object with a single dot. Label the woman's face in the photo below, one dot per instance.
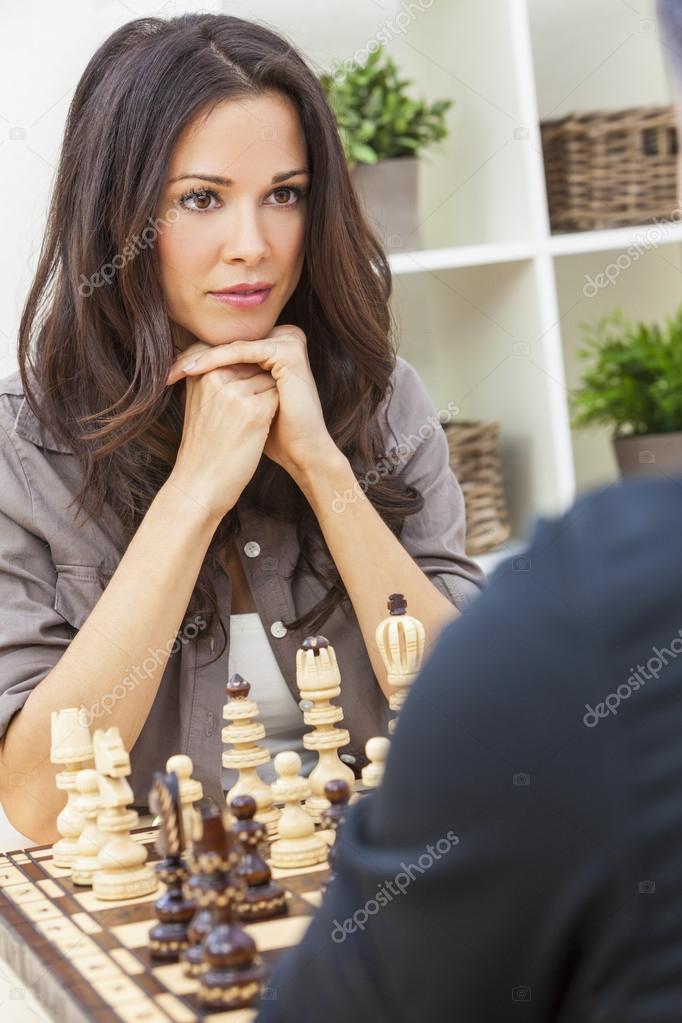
(248, 230)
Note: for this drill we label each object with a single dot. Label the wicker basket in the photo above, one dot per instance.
(610, 168)
(475, 461)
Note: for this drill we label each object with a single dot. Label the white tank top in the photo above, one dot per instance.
(252, 657)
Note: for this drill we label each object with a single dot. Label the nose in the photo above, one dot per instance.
(246, 240)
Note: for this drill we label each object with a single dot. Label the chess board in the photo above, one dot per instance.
(87, 961)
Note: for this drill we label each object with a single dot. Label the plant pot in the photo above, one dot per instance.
(388, 192)
(654, 454)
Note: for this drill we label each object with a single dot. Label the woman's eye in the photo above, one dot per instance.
(199, 195)
(298, 193)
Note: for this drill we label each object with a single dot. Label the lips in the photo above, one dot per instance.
(244, 288)
(240, 299)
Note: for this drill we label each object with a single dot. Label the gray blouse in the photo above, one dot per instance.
(49, 582)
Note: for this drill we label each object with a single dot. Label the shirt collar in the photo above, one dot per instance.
(30, 428)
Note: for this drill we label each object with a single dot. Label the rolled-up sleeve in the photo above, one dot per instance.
(33, 636)
(434, 536)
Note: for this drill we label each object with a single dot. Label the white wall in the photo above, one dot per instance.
(44, 48)
(596, 55)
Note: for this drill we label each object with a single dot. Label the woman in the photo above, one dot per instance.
(252, 468)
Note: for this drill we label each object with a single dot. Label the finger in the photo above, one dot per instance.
(192, 351)
(258, 383)
(241, 369)
(253, 352)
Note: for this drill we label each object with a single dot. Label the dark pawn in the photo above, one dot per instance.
(337, 792)
(168, 938)
(259, 898)
(231, 973)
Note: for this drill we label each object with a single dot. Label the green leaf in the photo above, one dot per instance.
(363, 153)
(370, 102)
(634, 380)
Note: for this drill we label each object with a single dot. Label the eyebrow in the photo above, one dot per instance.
(283, 176)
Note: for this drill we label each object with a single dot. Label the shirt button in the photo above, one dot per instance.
(278, 629)
(252, 549)
(348, 758)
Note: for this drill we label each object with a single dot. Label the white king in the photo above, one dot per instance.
(400, 639)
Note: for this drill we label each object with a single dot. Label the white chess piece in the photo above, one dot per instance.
(376, 749)
(91, 840)
(124, 874)
(246, 755)
(400, 639)
(72, 748)
(319, 681)
(298, 844)
(191, 790)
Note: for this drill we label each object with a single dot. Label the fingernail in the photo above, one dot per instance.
(189, 365)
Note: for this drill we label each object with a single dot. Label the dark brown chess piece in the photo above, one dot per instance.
(231, 971)
(204, 875)
(337, 792)
(168, 938)
(259, 898)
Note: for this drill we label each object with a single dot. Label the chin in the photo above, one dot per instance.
(255, 331)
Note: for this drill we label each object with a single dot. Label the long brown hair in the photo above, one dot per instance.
(100, 355)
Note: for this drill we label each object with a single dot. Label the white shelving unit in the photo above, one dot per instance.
(487, 301)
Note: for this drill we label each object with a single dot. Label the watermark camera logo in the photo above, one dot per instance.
(137, 674)
(386, 893)
(521, 993)
(390, 460)
(637, 679)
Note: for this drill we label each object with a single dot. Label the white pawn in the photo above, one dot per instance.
(91, 840)
(298, 844)
(191, 791)
(376, 749)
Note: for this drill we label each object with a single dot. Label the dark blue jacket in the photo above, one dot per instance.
(523, 859)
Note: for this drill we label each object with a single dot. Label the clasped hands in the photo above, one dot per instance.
(298, 439)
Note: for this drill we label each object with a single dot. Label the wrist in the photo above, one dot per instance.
(183, 499)
(328, 469)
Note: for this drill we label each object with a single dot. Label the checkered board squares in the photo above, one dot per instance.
(88, 961)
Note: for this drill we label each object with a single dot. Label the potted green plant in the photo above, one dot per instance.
(383, 129)
(634, 385)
